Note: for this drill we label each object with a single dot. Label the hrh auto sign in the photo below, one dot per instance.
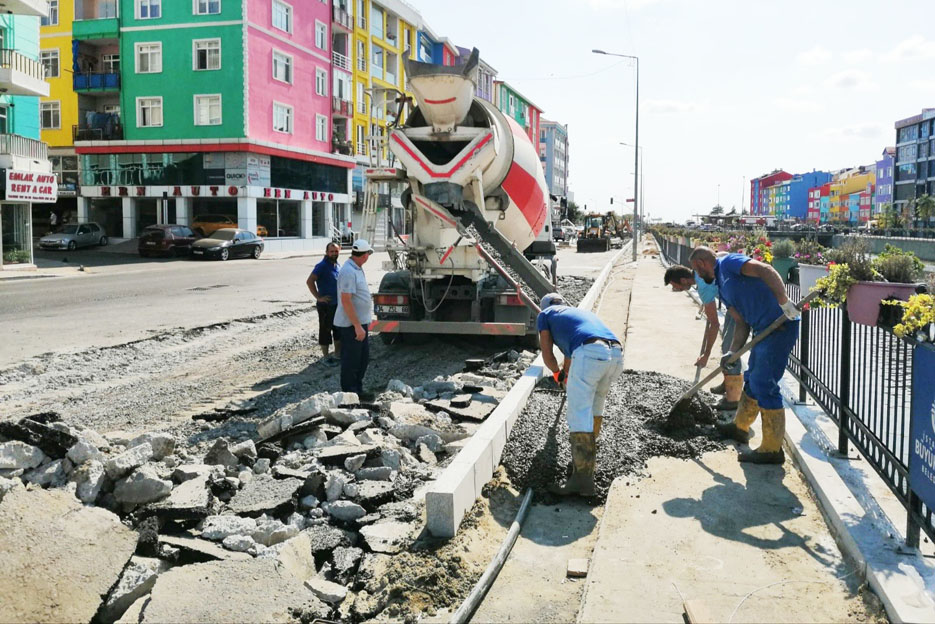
(922, 431)
(30, 186)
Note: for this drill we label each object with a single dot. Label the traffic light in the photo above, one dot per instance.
(611, 201)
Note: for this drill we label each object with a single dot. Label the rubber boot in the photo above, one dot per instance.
(598, 421)
(718, 389)
(739, 428)
(733, 388)
(770, 451)
(583, 454)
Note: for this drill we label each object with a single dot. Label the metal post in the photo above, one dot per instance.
(636, 161)
(803, 354)
(845, 392)
(912, 527)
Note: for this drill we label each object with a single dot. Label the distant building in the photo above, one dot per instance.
(759, 193)
(883, 193)
(799, 187)
(915, 158)
(485, 76)
(553, 152)
(518, 108)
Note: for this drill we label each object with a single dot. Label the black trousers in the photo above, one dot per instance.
(326, 328)
(355, 355)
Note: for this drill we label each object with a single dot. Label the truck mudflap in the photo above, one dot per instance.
(448, 327)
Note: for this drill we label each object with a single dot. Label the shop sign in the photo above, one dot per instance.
(258, 170)
(922, 428)
(219, 190)
(279, 193)
(31, 186)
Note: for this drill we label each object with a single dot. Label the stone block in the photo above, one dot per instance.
(202, 549)
(17, 455)
(245, 449)
(52, 474)
(51, 440)
(83, 451)
(345, 398)
(390, 458)
(345, 416)
(187, 472)
(377, 473)
(332, 593)
(120, 465)
(220, 455)
(219, 527)
(142, 486)
(577, 568)
(162, 444)
(270, 531)
(414, 421)
(325, 538)
(388, 537)
(345, 511)
(432, 441)
(335, 455)
(449, 498)
(238, 543)
(137, 580)
(89, 479)
(354, 463)
(266, 495)
(191, 499)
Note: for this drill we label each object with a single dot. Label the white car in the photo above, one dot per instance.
(75, 235)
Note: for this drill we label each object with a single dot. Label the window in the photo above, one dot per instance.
(148, 9)
(206, 54)
(376, 22)
(149, 58)
(207, 7)
(321, 82)
(361, 103)
(282, 67)
(282, 118)
(282, 16)
(321, 128)
(51, 115)
(361, 55)
(52, 19)
(376, 66)
(149, 112)
(111, 63)
(207, 110)
(361, 141)
(321, 35)
(49, 60)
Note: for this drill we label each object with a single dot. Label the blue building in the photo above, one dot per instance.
(553, 152)
(799, 185)
(883, 192)
(25, 170)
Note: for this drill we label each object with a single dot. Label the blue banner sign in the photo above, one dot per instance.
(922, 431)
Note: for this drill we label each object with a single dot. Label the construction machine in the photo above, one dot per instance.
(476, 199)
(601, 231)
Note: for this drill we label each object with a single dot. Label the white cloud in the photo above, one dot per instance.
(668, 106)
(915, 48)
(852, 79)
(633, 5)
(799, 104)
(858, 131)
(857, 56)
(922, 85)
(815, 56)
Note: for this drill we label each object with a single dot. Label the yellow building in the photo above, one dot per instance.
(59, 111)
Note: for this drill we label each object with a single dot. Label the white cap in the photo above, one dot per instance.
(361, 245)
(550, 300)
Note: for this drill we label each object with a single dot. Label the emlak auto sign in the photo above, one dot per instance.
(30, 186)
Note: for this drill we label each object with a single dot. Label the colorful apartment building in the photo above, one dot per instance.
(883, 192)
(759, 193)
(553, 153)
(486, 75)
(28, 183)
(818, 204)
(915, 158)
(800, 186)
(519, 108)
(244, 131)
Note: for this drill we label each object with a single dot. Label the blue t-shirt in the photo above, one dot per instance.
(750, 296)
(326, 274)
(707, 292)
(570, 327)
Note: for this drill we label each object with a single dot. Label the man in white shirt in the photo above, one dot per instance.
(353, 317)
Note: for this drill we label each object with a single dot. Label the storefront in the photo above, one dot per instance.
(21, 190)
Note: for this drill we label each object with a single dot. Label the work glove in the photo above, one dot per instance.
(789, 309)
(559, 378)
(725, 359)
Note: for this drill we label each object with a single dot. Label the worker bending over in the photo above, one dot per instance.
(682, 278)
(593, 360)
(755, 296)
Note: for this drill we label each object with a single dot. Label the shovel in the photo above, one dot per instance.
(682, 404)
(704, 343)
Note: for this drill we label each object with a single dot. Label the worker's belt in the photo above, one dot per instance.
(609, 343)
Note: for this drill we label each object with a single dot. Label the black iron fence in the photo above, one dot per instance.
(861, 376)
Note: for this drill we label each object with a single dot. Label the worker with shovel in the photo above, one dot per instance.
(593, 360)
(756, 297)
(681, 279)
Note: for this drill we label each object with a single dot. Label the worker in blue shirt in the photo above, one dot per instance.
(755, 296)
(322, 282)
(593, 360)
(682, 278)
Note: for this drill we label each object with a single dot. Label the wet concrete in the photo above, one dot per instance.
(634, 430)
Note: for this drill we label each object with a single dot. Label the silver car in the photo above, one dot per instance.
(75, 235)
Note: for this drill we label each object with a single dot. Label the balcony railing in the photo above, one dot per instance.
(342, 147)
(341, 61)
(361, 64)
(341, 107)
(97, 81)
(11, 59)
(361, 148)
(341, 18)
(17, 145)
(99, 127)
(362, 22)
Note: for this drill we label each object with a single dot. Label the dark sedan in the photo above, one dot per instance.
(166, 240)
(228, 243)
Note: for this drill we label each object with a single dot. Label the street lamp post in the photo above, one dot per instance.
(636, 159)
(642, 182)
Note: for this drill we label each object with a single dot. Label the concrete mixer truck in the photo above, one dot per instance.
(476, 200)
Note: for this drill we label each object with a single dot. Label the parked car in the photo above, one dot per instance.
(166, 240)
(75, 235)
(205, 225)
(228, 243)
(261, 230)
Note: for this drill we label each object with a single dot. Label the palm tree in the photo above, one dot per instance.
(924, 208)
(889, 217)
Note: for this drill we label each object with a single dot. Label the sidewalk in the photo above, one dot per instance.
(748, 542)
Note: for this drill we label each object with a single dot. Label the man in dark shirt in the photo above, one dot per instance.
(323, 284)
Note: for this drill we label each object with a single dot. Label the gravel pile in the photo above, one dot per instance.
(574, 288)
(634, 429)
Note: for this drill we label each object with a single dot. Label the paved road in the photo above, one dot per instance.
(120, 298)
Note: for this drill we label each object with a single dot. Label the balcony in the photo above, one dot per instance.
(362, 22)
(98, 127)
(340, 17)
(36, 8)
(20, 75)
(96, 82)
(95, 19)
(342, 147)
(340, 61)
(341, 107)
(16, 145)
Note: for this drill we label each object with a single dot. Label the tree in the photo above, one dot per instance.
(574, 212)
(889, 216)
(924, 207)
(717, 210)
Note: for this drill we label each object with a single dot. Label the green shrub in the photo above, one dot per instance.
(783, 249)
(855, 253)
(897, 265)
(16, 256)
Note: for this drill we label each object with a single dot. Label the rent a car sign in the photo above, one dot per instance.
(31, 186)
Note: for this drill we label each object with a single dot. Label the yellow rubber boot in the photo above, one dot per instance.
(739, 428)
(583, 458)
(774, 429)
(733, 388)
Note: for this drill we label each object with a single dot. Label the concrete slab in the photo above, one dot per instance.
(264, 494)
(60, 558)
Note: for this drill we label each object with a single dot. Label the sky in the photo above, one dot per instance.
(729, 89)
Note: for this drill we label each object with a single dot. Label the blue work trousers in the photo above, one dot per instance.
(767, 365)
(355, 355)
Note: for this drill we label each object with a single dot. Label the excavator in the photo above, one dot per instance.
(600, 230)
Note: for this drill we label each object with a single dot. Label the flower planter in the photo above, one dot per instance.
(808, 276)
(783, 266)
(863, 299)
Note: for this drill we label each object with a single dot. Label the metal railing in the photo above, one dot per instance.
(97, 134)
(861, 376)
(17, 145)
(362, 22)
(341, 61)
(361, 64)
(11, 59)
(101, 81)
(341, 107)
